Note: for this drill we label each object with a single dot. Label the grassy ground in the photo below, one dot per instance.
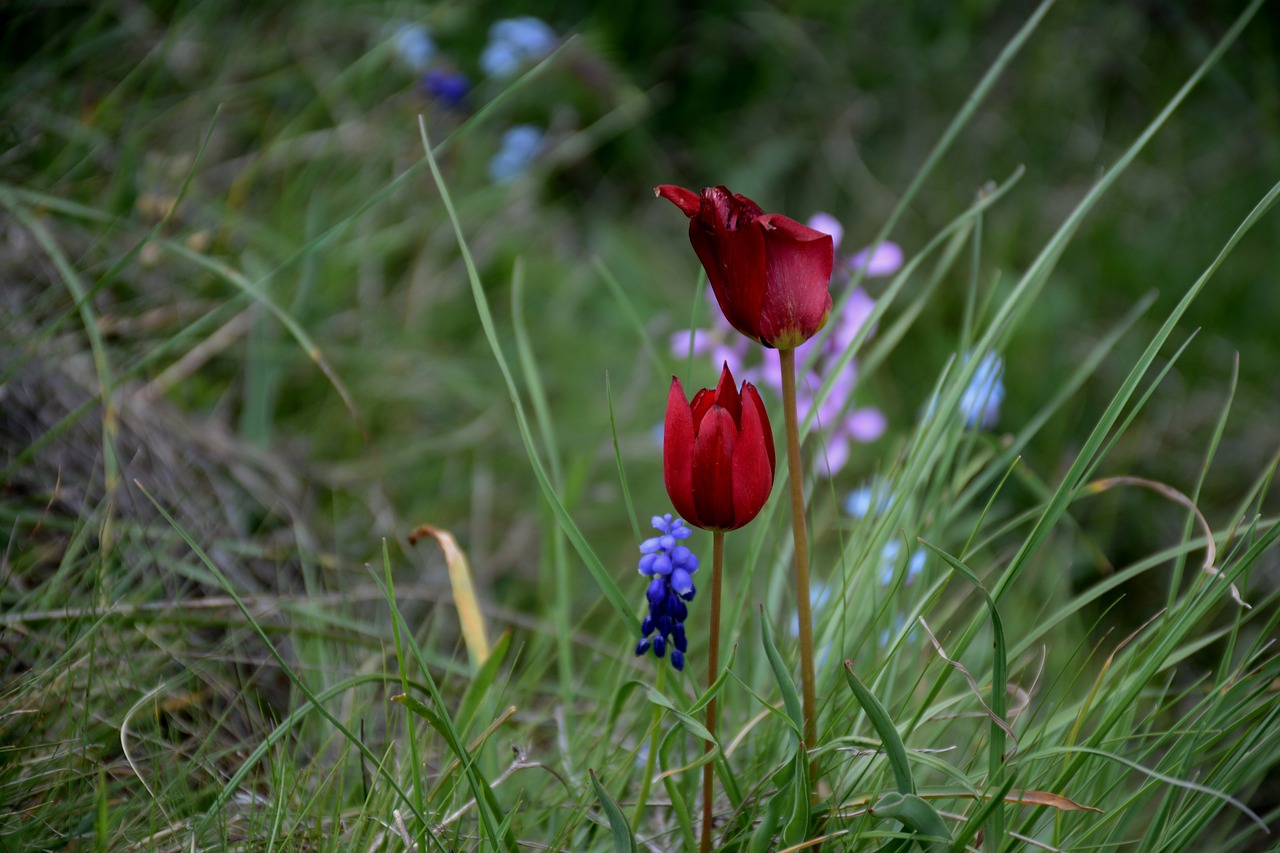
(247, 349)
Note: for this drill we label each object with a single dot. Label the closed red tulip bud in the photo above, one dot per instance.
(717, 454)
(770, 274)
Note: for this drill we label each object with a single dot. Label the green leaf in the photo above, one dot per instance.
(789, 696)
(696, 728)
(916, 815)
(894, 749)
(970, 829)
(624, 841)
(797, 826)
(481, 683)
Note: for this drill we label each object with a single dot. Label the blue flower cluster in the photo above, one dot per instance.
(520, 145)
(414, 45)
(870, 498)
(889, 563)
(514, 42)
(671, 565)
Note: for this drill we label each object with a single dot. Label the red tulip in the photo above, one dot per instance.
(770, 274)
(717, 454)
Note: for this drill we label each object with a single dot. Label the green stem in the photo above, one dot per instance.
(713, 663)
(795, 478)
(655, 740)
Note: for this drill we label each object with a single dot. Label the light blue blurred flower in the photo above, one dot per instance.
(413, 45)
(514, 42)
(980, 403)
(870, 498)
(519, 146)
(899, 622)
(819, 593)
(889, 563)
(819, 596)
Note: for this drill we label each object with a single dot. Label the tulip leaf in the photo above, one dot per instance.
(797, 827)
(894, 749)
(781, 781)
(916, 815)
(999, 676)
(624, 841)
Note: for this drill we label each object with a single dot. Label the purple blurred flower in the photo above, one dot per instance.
(841, 424)
(446, 85)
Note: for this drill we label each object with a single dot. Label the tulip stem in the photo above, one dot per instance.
(713, 663)
(795, 479)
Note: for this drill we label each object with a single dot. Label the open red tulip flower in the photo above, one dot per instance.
(717, 454)
(770, 273)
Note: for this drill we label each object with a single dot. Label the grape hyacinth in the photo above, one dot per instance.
(671, 565)
(446, 85)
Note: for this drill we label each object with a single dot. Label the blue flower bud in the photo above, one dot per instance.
(661, 564)
(657, 592)
(677, 659)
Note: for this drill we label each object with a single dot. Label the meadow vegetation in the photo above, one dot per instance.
(335, 341)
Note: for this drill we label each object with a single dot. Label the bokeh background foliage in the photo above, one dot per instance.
(219, 212)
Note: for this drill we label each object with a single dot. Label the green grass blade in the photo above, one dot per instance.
(624, 840)
(894, 750)
(601, 575)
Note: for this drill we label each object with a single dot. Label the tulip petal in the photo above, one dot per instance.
(752, 398)
(727, 397)
(752, 465)
(798, 260)
(827, 224)
(713, 470)
(677, 453)
(686, 200)
(732, 250)
(702, 403)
